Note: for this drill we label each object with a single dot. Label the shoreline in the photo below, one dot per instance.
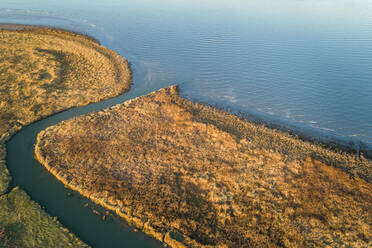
(123, 70)
(334, 141)
(288, 147)
(50, 63)
(15, 26)
(136, 220)
(132, 221)
(327, 139)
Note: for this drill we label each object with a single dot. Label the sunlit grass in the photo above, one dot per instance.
(190, 175)
(25, 224)
(4, 173)
(44, 71)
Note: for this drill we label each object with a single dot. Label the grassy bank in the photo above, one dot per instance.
(193, 176)
(4, 173)
(25, 224)
(44, 71)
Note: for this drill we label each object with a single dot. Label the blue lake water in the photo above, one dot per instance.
(301, 65)
(305, 64)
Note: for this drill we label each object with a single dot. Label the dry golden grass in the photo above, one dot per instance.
(194, 176)
(44, 71)
(24, 224)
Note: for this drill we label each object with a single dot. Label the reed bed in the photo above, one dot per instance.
(194, 176)
(44, 71)
(23, 223)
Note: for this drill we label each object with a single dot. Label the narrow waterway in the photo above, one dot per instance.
(306, 63)
(69, 206)
(305, 66)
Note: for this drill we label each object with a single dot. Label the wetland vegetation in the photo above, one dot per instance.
(187, 174)
(44, 71)
(194, 176)
(23, 223)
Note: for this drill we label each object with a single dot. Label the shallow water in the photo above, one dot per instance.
(304, 65)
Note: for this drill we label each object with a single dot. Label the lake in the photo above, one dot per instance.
(299, 65)
(305, 64)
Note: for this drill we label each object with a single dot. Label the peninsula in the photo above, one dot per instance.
(194, 176)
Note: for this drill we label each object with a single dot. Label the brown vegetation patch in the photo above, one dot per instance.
(193, 176)
(44, 71)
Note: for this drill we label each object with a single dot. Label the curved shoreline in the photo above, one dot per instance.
(134, 222)
(122, 74)
(141, 224)
(327, 139)
(259, 143)
(56, 199)
(34, 72)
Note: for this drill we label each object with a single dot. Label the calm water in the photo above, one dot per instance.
(50, 193)
(304, 65)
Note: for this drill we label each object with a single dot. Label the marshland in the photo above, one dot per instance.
(302, 66)
(193, 176)
(45, 71)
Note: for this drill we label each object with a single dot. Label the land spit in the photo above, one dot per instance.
(194, 176)
(44, 71)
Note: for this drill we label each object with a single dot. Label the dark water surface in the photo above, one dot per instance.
(303, 65)
(50, 193)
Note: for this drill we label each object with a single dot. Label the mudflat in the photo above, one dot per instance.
(44, 71)
(194, 176)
